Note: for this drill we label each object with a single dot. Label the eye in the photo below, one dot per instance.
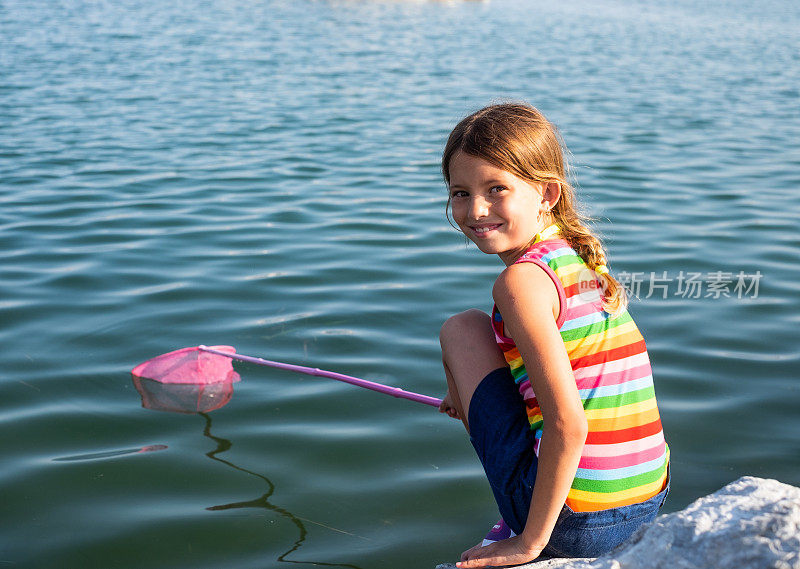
(458, 193)
(496, 189)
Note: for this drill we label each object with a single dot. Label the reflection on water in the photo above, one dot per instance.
(110, 454)
(223, 445)
(201, 399)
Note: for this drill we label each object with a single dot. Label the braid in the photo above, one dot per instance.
(574, 229)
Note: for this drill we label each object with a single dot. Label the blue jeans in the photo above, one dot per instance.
(503, 440)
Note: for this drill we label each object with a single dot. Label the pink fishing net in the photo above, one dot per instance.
(188, 380)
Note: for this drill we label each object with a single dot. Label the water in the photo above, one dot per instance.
(264, 174)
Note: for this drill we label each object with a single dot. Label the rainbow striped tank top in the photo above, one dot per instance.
(625, 458)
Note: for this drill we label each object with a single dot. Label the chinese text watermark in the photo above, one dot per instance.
(684, 284)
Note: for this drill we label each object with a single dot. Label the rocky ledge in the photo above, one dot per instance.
(752, 523)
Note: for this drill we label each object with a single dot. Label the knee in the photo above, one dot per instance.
(464, 324)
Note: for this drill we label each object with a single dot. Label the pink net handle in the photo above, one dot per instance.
(393, 391)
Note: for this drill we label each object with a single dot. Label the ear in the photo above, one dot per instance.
(551, 193)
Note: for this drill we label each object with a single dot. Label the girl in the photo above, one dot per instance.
(555, 388)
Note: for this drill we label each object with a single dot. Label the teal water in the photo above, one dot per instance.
(264, 175)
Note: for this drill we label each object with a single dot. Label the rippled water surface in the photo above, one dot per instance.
(264, 175)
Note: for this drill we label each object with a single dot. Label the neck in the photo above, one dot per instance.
(510, 257)
(548, 231)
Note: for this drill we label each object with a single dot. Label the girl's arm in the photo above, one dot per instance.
(528, 301)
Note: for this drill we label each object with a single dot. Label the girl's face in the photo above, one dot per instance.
(498, 211)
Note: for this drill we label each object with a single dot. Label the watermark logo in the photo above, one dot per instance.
(684, 284)
(590, 288)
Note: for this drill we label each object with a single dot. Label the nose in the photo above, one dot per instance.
(478, 207)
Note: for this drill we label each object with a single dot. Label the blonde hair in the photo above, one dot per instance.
(517, 138)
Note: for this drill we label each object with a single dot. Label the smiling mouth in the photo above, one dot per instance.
(484, 229)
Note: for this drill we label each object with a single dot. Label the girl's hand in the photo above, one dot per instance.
(511, 551)
(447, 407)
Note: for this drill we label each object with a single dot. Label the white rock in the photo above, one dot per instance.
(752, 523)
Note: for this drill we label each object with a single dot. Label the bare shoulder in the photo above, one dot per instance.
(525, 286)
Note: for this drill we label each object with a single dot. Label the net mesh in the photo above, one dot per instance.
(183, 397)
